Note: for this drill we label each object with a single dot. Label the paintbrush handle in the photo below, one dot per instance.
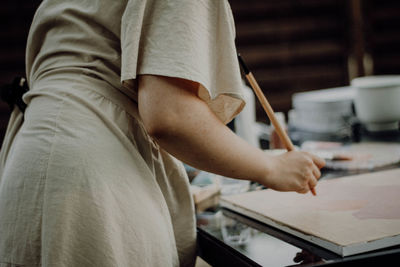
(268, 109)
(270, 113)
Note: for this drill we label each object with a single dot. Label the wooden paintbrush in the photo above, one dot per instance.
(268, 109)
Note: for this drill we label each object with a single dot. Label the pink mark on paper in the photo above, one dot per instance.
(368, 202)
(383, 203)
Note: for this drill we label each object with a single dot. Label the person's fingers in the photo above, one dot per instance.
(312, 182)
(305, 185)
(303, 190)
(320, 162)
(316, 172)
(311, 176)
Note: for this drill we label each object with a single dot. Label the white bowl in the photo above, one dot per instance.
(377, 101)
(322, 111)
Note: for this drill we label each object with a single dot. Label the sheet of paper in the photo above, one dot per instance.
(349, 215)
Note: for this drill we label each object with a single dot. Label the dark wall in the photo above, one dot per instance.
(15, 19)
(382, 32)
(301, 45)
(293, 45)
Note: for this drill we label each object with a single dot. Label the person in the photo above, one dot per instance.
(120, 93)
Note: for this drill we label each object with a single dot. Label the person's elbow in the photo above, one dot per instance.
(159, 125)
(165, 104)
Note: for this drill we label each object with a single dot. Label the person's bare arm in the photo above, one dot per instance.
(184, 125)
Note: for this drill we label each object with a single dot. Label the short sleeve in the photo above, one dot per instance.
(192, 40)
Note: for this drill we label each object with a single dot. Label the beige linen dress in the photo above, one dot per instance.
(81, 182)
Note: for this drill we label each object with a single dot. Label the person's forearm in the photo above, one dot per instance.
(190, 131)
(204, 142)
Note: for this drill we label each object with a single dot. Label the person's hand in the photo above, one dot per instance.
(305, 256)
(294, 171)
